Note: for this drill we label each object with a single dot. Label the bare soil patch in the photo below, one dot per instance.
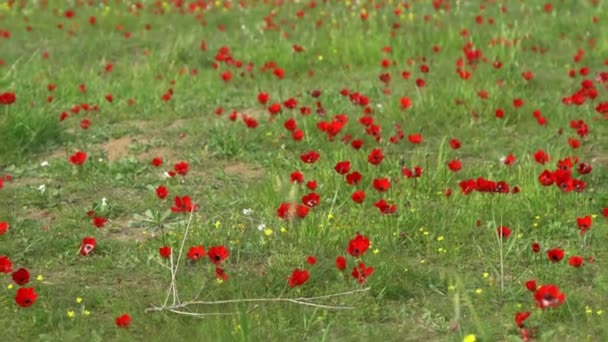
(43, 217)
(243, 170)
(256, 113)
(121, 230)
(117, 148)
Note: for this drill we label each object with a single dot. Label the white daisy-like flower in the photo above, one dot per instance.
(247, 211)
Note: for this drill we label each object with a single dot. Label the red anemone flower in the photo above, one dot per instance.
(183, 205)
(311, 200)
(503, 231)
(342, 167)
(541, 157)
(162, 192)
(549, 296)
(99, 222)
(21, 276)
(217, 254)
(382, 184)
(555, 254)
(520, 317)
(385, 207)
(353, 178)
(78, 158)
(221, 274)
(358, 196)
(375, 157)
(310, 157)
(5, 264)
(531, 285)
(509, 160)
(575, 261)
(455, 143)
(123, 321)
(263, 98)
(7, 98)
(341, 263)
(3, 225)
(415, 138)
(87, 245)
(361, 272)
(455, 165)
(85, 123)
(535, 247)
(165, 252)
(311, 260)
(298, 277)
(196, 252)
(25, 297)
(181, 168)
(584, 224)
(358, 246)
(157, 162)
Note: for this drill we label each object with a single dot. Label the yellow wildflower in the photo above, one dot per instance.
(470, 338)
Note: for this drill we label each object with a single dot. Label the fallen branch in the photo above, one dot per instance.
(307, 301)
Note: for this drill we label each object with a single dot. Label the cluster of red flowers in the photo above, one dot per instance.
(182, 204)
(77, 108)
(25, 296)
(548, 296)
(356, 248)
(216, 254)
(586, 92)
(562, 176)
(483, 185)
(545, 296)
(288, 211)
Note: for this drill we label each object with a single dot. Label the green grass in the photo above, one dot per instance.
(440, 271)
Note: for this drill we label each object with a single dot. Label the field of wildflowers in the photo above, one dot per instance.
(304, 170)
